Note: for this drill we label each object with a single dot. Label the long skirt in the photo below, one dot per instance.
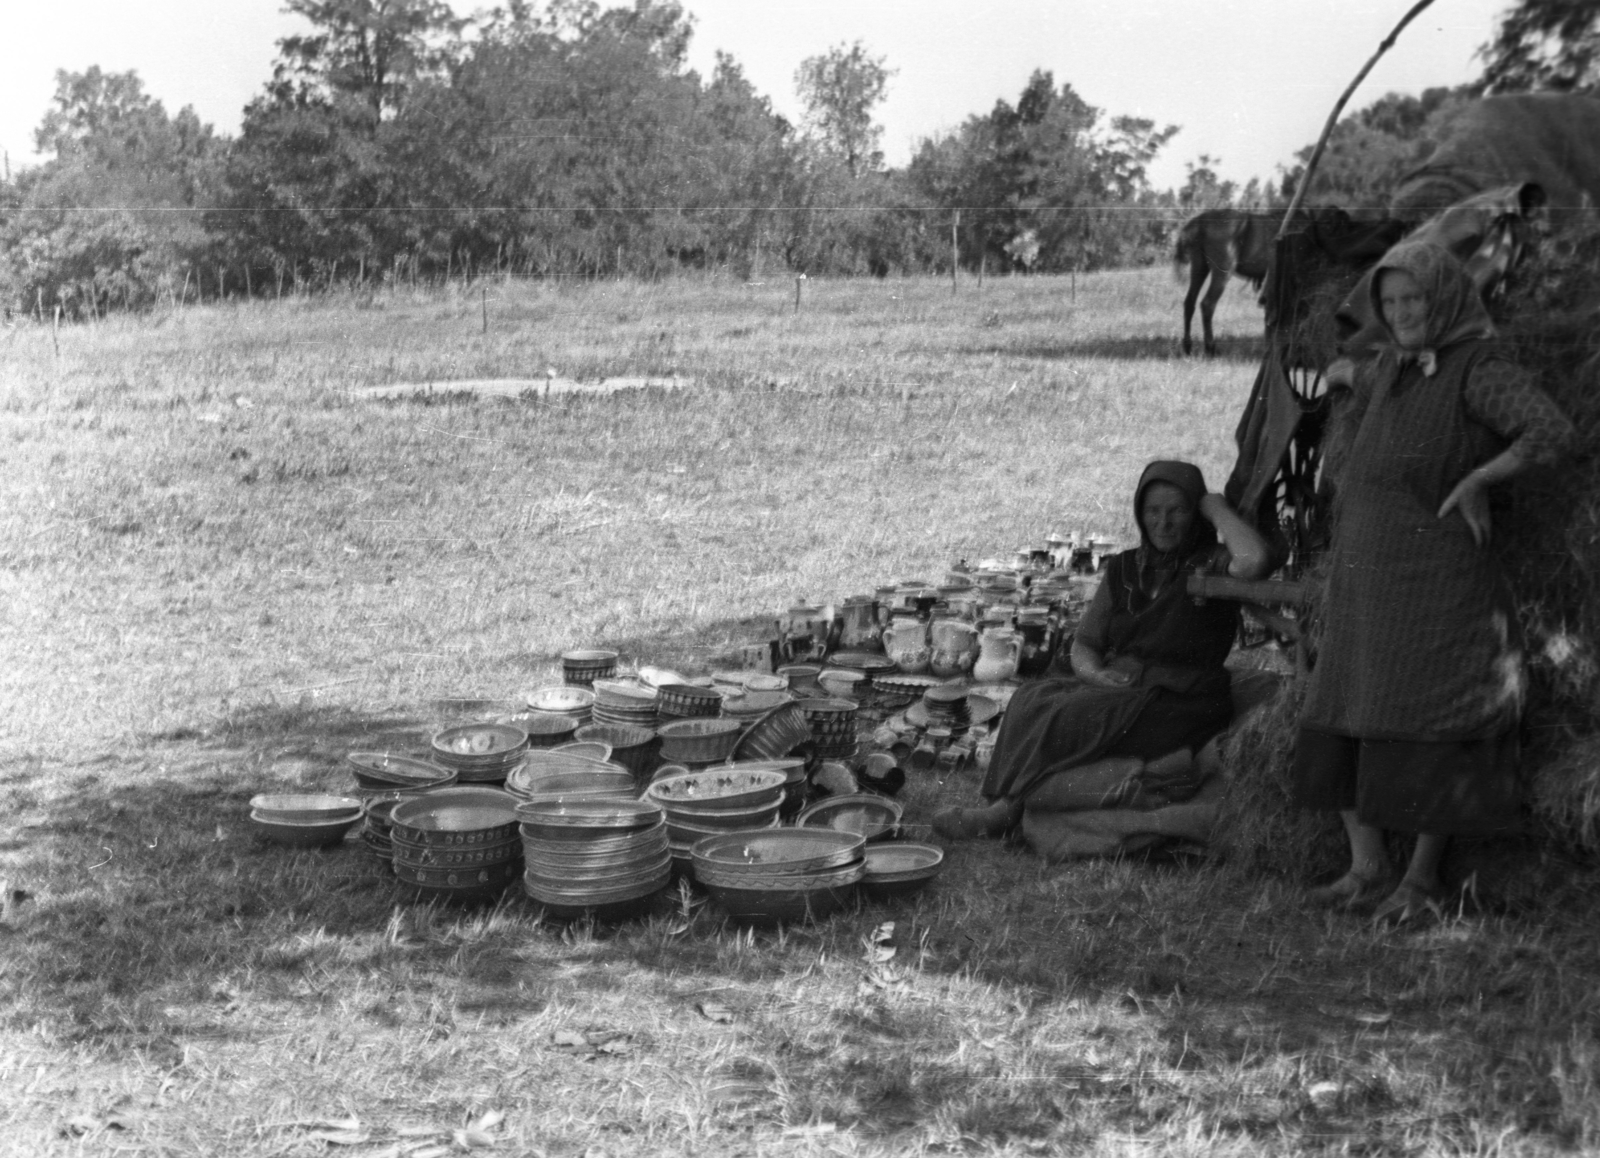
(1055, 725)
(1450, 788)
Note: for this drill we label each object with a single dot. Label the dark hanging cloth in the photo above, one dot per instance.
(1142, 621)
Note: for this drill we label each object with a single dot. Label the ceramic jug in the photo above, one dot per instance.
(805, 631)
(906, 642)
(858, 627)
(998, 652)
(955, 647)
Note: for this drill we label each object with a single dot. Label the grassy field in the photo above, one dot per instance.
(222, 571)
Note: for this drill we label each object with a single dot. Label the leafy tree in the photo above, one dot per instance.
(1202, 188)
(840, 90)
(1545, 44)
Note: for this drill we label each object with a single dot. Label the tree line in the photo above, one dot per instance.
(395, 142)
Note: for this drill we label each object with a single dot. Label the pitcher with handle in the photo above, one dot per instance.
(999, 649)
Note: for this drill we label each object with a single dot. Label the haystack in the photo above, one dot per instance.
(1547, 533)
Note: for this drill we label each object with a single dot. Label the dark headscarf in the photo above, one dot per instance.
(1156, 568)
(1455, 311)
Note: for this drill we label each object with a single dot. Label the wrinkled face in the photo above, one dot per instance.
(1404, 307)
(1166, 516)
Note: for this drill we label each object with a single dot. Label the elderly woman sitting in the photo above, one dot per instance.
(1148, 687)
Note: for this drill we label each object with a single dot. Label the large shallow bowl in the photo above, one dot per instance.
(701, 741)
(562, 817)
(864, 813)
(895, 870)
(587, 749)
(304, 807)
(544, 729)
(779, 850)
(601, 780)
(574, 841)
(729, 787)
(685, 830)
(845, 874)
(477, 743)
(562, 699)
(456, 816)
(303, 833)
(380, 771)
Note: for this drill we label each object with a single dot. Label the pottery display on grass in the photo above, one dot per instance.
(999, 649)
(906, 642)
(955, 647)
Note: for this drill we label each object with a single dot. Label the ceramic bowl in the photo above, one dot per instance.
(302, 833)
(702, 741)
(864, 813)
(589, 749)
(896, 870)
(382, 771)
(723, 788)
(455, 817)
(308, 808)
(562, 699)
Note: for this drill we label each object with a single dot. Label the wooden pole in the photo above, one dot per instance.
(799, 282)
(955, 249)
(483, 292)
(1333, 117)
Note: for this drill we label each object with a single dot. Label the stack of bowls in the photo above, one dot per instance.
(687, 702)
(624, 702)
(380, 774)
(779, 874)
(584, 665)
(699, 742)
(946, 706)
(457, 845)
(774, 734)
(547, 772)
(715, 800)
(304, 820)
(608, 857)
(480, 753)
(636, 749)
(833, 727)
(563, 700)
(376, 819)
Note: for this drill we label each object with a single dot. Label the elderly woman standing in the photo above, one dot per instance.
(1147, 687)
(1411, 711)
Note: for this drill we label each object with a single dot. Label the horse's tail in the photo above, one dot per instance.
(1180, 253)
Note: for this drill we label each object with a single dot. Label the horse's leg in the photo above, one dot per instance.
(1197, 276)
(1208, 307)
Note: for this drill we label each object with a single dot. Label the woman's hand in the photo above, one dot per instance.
(1471, 498)
(1107, 677)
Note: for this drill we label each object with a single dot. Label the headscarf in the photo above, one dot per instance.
(1455, 311)
(1157, 568)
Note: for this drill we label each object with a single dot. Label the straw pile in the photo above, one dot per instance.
(1547, 533)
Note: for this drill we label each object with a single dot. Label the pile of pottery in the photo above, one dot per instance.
(480, 753)
(304, 820)
(456, 845)
(593, 855)
(780, 874)
(715, 801)
(700, 741)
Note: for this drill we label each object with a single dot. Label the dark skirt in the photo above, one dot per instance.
(1451, 788)
(1055, 725)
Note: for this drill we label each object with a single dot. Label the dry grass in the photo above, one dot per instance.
(206, 597)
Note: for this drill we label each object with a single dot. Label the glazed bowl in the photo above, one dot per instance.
(897, 870)
(701, 741)
(864, 813)
(304, 833)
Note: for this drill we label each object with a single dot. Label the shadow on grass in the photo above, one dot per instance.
(1158, 348)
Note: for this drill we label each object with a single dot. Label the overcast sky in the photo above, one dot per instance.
(1250, 81)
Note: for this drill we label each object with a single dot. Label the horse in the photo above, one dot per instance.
(1217, 243)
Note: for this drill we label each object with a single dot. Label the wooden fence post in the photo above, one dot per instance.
(955, 249)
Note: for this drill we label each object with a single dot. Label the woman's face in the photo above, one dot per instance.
(1404, 307)
(1166, 516)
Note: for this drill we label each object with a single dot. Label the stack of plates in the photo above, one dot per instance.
(833, 727)
(563, 700)
(547, 772)
(304, 821)
(974, 709)
(904, 684)
(583, 854)
(585, 665)
(946, 707)
(865, 814)
(687, 702)
(624, 702)
(774, 734)
(456, 844)
(480, 753)
(377, 817)
(779, 874)
(715, 800)
(380, 773)
(871, 664)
